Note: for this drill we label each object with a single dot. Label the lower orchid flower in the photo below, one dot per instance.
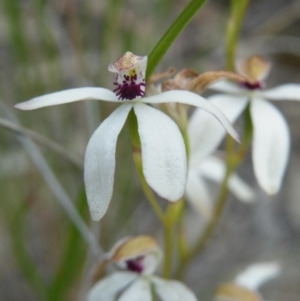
(163, 152)
(138, 257)
(245, 286)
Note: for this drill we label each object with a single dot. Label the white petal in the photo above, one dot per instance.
(271, 145)
(67, 96)
(214, 169)
(140, 290)
(205, 132)
(163, 152)
(99, 162)
(193, 99)
(283, 92)
(256, 275)
(197, 194)
(171, 290)
(227, 87)
(108, 288)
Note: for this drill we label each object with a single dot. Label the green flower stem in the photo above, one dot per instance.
(172, 33)
(209, 229)
(168, 243)
(173, 213)
(237, 11)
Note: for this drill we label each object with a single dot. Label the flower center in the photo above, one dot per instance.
(130, 86)
(135, 265)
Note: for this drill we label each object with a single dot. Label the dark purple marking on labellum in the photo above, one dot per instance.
(129, 89)
(135, 265)
(252, 86)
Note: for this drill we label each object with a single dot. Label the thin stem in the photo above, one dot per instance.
(167, 263)
(237, 11)
(17, 129)
(210, 227)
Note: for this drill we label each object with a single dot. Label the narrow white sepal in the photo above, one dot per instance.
(109, 288)
(67, 96)
(257, 274)
(171, 290)
(193, 99)
(198, 195)
(226, 87)
(283, 92)
(214, 169)
(163, 152)
(205, 132)
(140, 290)
(271, 145)
(99, 162)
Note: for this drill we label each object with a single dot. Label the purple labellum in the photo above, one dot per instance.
(129, 88)
(252, 86)
(135, 265)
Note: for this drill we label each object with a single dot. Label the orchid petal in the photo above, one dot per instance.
(283, 92)
(197, 194)
(108, 288)
(205, 133)
(271, 145)
(163, 152)
(256, 275)
(193, 99)
(171, 290)
(139, 290)
(67, 96)
(99, 164)
(214, 169)
(226, 87)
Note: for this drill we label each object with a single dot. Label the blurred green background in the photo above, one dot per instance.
(47, 46)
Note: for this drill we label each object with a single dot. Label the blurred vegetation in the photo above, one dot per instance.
(47, 46)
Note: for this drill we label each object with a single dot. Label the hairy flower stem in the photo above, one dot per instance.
(237, 11)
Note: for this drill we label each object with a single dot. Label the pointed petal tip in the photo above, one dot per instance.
(237, 138)
(95, 215)
(23, 106)
(271, 190)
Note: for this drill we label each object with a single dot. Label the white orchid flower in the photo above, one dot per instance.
(247, 283)
(139, 257)
(271, 139)
(255, 275)
(163, 151)
(204, 137)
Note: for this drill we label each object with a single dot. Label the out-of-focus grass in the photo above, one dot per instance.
(52, 45)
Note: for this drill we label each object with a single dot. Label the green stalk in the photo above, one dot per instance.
(168, 243)
(237, 12)
(172, 33)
